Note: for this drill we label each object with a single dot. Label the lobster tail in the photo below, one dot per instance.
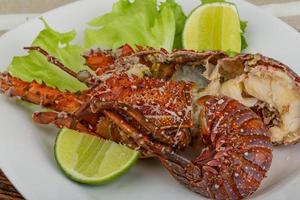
(239, 152)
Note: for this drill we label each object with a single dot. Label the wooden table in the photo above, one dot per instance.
(7, 190)
(26, 9)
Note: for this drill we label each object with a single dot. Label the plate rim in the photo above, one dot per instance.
(6, 171)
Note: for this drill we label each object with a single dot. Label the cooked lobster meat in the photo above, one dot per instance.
(269, 87)
(140, 99)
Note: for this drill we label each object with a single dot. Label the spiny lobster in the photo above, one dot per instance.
(136, 99)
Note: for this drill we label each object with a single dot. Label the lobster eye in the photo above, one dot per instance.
(83, 75)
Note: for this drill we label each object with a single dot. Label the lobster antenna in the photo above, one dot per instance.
(83, 76)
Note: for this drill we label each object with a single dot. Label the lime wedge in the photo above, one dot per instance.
(91, 160)
(213, 26)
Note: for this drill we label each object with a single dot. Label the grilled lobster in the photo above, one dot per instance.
(138, 99)
(270, 88)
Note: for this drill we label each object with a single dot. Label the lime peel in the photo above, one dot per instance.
(91, 160)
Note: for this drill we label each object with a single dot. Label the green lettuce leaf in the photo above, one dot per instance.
(163, 29)
(35, 66)
(180, 19)
(243, 25)
(138, 23)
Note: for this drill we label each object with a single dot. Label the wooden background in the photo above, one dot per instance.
(15, 12)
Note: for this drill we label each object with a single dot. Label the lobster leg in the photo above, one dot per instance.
(64, 120)
(181, 168)
(141, 139)
(61, 119)
(180, 139)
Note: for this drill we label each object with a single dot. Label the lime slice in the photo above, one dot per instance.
(213, 26)
(91, 160)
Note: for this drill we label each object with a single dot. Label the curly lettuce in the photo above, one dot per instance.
(141, 22)
(35, 66)
(244, 43)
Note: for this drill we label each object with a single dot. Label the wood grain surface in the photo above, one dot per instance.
(7, 190)
(11, 7)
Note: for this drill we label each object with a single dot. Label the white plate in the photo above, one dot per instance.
(26, 149)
